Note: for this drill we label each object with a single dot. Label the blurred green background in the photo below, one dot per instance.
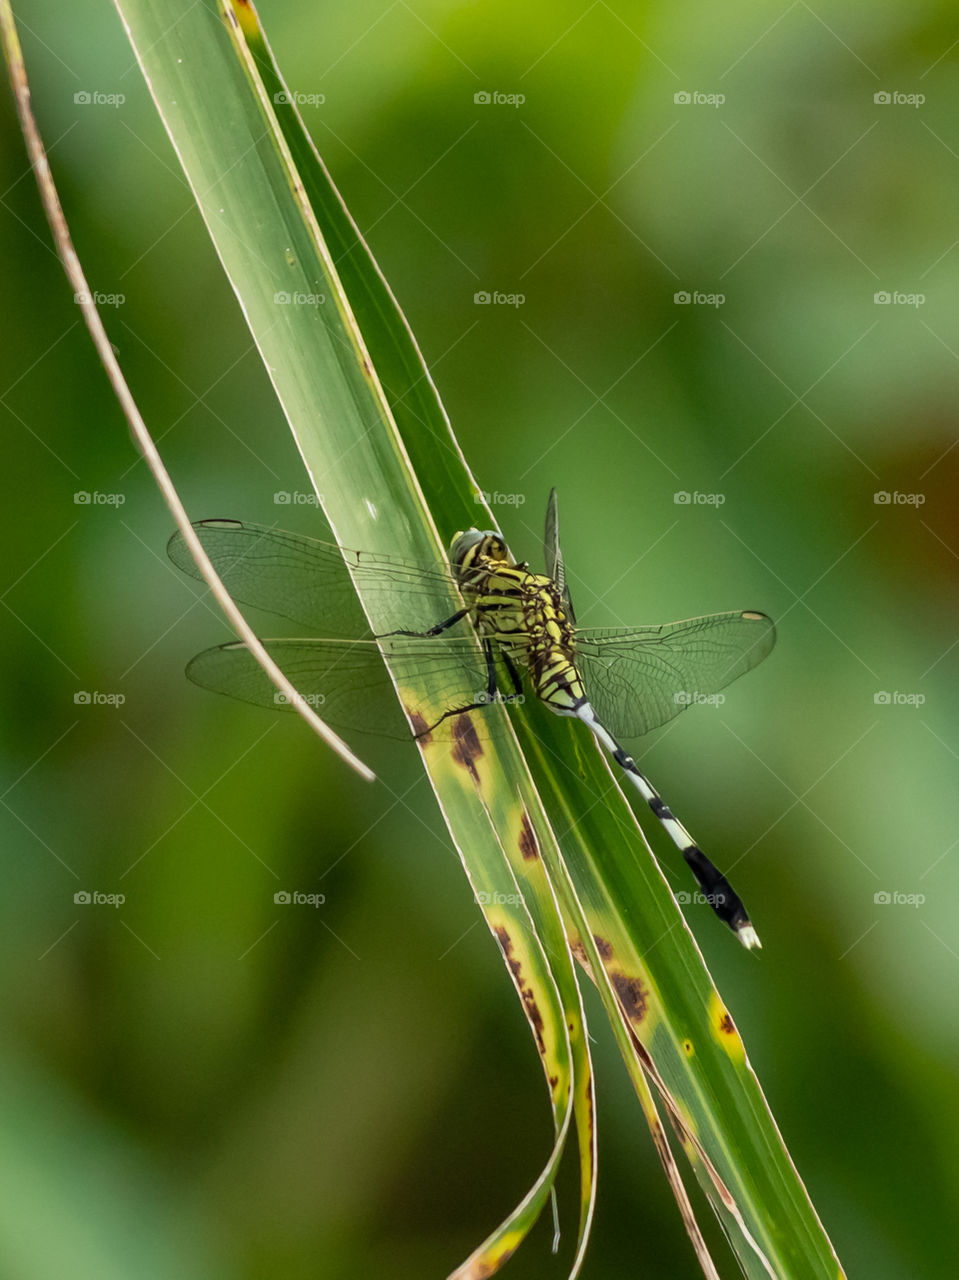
(200, 1082)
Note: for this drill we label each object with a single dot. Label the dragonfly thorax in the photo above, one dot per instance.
(522, 612)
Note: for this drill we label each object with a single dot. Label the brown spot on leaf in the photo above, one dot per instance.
(421, 730)
(528, 845)
(726, 1025)
(604, 948)
(579, 951)
(483, 1270)
(466, 745)
(632, 995)
(527, 995)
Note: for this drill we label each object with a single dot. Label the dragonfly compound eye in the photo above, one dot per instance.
(466, 547)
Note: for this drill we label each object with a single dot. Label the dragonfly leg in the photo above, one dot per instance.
(454, 711)
(433, 631)
(719, 893)
(492, 688)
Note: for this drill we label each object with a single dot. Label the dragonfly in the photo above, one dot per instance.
(512, 623)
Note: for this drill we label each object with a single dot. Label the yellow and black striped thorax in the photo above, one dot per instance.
(522, 612)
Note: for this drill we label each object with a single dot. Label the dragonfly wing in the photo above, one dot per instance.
(638, 678)
(555, 565)
(308, 582)
(346, 682)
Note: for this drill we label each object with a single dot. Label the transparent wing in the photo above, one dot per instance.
(306, 580)
(555, 566)
(347, 683)
(638, 678)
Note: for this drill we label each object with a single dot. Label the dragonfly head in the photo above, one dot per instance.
(476, 547)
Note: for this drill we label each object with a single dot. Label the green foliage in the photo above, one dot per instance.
(271, 1036)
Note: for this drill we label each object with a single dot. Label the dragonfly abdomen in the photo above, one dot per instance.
(718, 891)
(557, 682)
